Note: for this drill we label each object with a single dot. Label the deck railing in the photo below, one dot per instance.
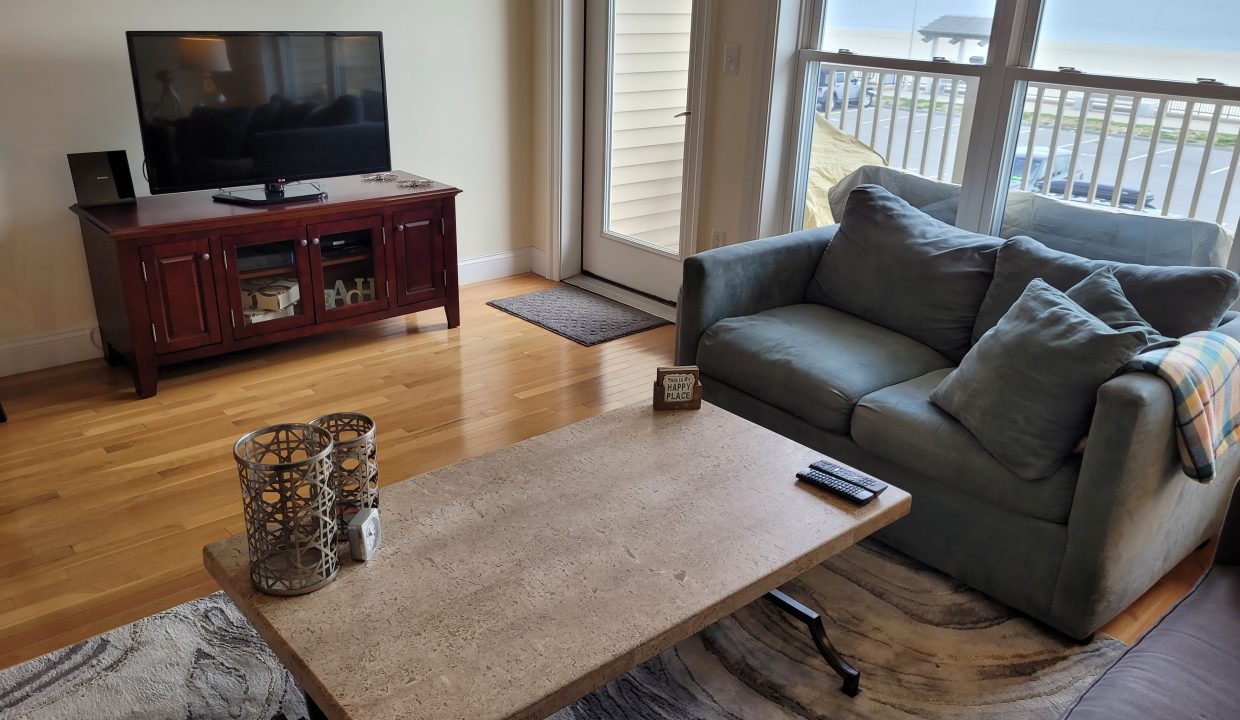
(1162, 154)
(898, 115)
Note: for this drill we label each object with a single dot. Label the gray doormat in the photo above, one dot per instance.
(579, 315)
(926, 646)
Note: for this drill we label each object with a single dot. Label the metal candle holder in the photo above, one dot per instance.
(355, 459)
(289, 497)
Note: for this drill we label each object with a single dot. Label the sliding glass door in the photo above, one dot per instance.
(640, 163)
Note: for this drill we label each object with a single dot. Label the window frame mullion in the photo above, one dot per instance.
(1000, 98)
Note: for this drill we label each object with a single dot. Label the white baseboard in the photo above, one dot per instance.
(540, 262)
(43, 351)
(492, 267)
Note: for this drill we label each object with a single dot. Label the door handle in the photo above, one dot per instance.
(401, 227)
(687, 113)
(315, 241)
(206, 256)
(303, 242)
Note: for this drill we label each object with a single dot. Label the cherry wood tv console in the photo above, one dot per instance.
(180, 277)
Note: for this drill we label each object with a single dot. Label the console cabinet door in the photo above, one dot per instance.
(419, 255)
(268, 280)
(349, 264)
(180, 291)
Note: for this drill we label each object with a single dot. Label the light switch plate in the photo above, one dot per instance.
(731, 58)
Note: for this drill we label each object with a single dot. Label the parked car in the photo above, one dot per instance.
(1038, 167)
(842, 79)
(1104, 194)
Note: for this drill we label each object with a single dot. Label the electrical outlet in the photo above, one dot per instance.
(718, 238)
(731, 58)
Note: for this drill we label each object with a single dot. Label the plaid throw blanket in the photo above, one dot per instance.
(1202, 373)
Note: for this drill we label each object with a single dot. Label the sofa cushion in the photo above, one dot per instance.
(1100, 295)
(811, 361)
(1188, 666)
(1176, 300)
(1028, 388)
(901, 424)
(892, 264)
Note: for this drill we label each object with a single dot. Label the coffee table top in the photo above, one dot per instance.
(511, 584)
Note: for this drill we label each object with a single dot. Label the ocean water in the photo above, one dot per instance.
(1138, 38)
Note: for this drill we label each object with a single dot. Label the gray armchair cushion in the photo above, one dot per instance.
(1027, 389)
(811, 361)
(899, 423)
(1175, 300)
(895, 266)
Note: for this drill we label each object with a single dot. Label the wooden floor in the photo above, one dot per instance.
(107, 500)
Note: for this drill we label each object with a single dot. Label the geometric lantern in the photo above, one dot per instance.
(289, 499)
(355, 461)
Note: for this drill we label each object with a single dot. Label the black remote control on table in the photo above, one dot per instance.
(852, 475)
(835, 486)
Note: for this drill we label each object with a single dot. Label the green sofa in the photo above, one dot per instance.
(1071, 550)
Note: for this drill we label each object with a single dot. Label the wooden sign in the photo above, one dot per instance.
(678, 388)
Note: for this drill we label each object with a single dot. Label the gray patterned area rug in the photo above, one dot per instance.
(579, 315)
(926, 647)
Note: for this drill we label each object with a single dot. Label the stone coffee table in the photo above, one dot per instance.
(512, 584)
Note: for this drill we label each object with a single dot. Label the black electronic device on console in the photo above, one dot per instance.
(345, 245)
(101, 178)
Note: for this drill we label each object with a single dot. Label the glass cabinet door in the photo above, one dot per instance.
(269, 281)
(350, 266)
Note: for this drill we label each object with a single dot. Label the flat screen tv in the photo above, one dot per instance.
(229, 109)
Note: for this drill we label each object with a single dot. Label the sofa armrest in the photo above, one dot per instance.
(744, 279)
(1134, 514)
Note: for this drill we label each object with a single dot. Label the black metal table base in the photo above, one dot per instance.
(813, 621)
(313, 711)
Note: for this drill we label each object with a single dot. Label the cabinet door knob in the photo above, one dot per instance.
(206, 256)
(315, 241)
(401, 227)
(303, 243)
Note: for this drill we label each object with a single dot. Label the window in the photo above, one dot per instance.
(910, 29)
(1089, 101)
(1141, 38)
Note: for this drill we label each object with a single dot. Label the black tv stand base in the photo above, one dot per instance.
(272, 194)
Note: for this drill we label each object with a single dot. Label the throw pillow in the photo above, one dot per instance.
(897, 267)
(1175, 300)
(1100, 295)
(1027, 389)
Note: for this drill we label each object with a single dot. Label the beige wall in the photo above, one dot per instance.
(728, 149)
(461, 97)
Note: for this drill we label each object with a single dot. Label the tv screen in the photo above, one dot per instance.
(222, 109)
